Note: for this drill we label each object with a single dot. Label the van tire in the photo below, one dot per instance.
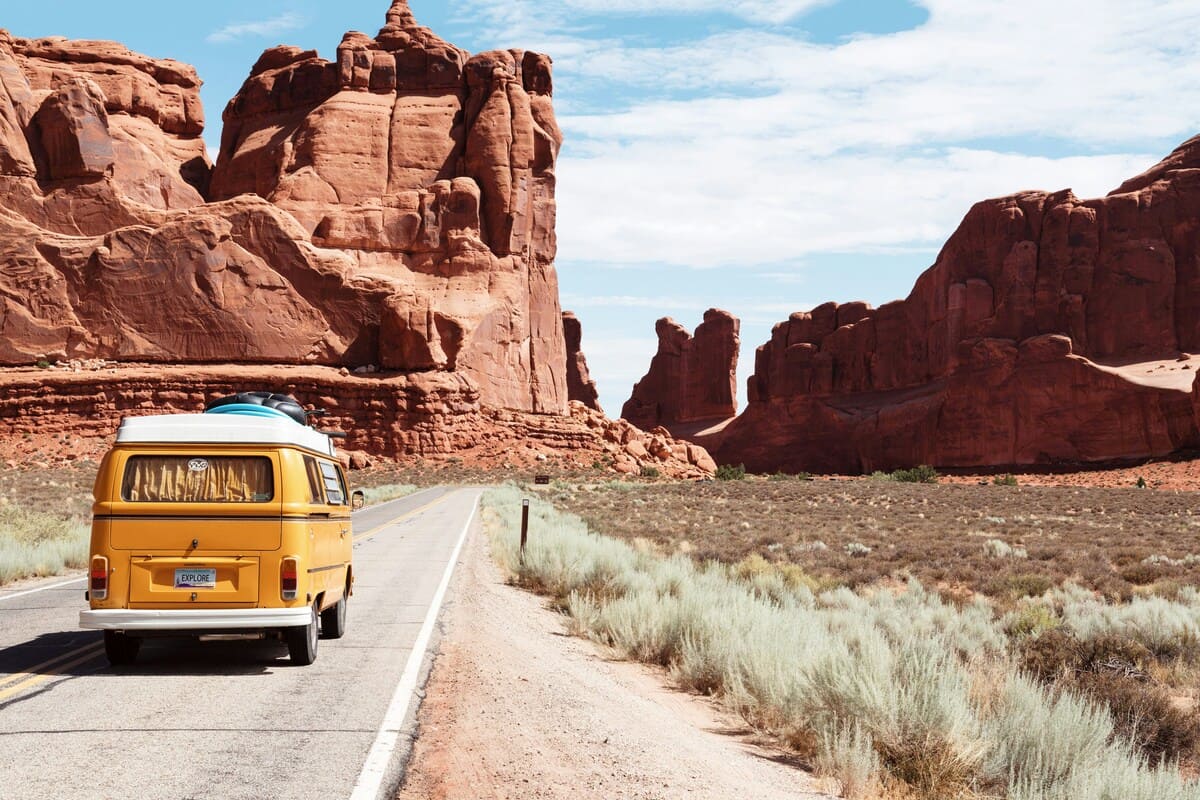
(121, 648)
(302, 641)
(333, 620)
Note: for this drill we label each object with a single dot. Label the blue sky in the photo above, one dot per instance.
(762, 156)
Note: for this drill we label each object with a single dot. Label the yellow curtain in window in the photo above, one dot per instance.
(194, 479)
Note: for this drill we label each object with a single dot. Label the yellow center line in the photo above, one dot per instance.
(400, 518)
(36, 668)
(90, 652)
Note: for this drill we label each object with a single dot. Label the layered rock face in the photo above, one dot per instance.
(1048, 331)
(432, 172)
(64, 415)
(377, 237)
(692, 379)
(83, 111)
(395, 208)
(580, 386)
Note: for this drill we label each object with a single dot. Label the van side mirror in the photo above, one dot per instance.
(358, 499)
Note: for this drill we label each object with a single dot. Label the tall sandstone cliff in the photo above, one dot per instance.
(1050, 330)
(391, 213)
(395, 208)
(1047, 331)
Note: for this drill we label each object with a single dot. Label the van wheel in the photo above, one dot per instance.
(302, 642)
(121, 648)
(333, 620)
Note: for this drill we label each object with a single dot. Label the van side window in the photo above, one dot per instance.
(314, 480)
(333, 484)
(198, 479)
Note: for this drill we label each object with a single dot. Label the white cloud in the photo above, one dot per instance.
(758, 146)
(570, 301)
(533, 23)
(262, 29)
(721, 203)
(768, 11)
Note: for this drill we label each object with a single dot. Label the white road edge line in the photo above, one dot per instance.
(15, 595)
(370, 780)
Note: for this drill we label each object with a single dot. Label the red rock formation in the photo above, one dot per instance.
(446, 192)
(690, 379)
(87, 110)
(1046, 332)
(395, 208)
(423, 241)
(64, 414)
(580, 386)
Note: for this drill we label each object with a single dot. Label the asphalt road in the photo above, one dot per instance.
(230, 720)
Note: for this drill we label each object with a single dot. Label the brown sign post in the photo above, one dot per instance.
(524, 528)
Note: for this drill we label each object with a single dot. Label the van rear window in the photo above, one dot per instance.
(198, 479)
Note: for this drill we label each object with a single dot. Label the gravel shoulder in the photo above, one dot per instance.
(517, 708)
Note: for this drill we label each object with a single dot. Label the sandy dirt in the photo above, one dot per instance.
(515, 708)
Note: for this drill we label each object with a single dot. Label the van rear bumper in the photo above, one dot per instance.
(195, 620)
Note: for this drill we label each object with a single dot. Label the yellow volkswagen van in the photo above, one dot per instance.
(230, 524)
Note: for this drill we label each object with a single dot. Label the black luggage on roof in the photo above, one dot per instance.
(280, 402)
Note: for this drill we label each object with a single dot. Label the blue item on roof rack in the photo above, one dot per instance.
(286, 404)
(247, 410)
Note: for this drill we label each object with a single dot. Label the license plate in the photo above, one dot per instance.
(195, 579)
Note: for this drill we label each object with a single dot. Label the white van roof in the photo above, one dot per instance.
(221, 429)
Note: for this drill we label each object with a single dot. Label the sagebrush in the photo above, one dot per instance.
(878, 688)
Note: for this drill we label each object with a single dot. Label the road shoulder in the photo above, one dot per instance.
(515, 707)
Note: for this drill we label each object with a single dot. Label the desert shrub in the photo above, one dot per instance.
(921, 474)
(879, 688)
(1005, 480)
(731, 472)
(1142, 573)
(879, 475)
(848, 754)
(857, 550)
(1166, 589)
(391, 491)
(1026, 584)
(648, 471)
(1189, 560)
(997, 548)
(776, 579)
(1143, 714)
(37, 544)
(1050, 654)
(1109, 670)
(1168, 629)
(1030, 620)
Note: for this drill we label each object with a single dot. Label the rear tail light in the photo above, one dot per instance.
(289, 578)
(99, 578)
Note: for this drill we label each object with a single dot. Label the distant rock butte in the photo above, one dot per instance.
(580, 385)
(692, 378)
(394, 209)
(1050, 330)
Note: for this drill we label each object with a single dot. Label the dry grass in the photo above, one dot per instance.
(44, 521)
(889, 689)
(1001, 541)
(1126, 556)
